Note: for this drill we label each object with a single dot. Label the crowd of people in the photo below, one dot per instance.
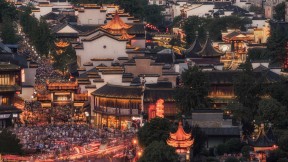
(52, 140)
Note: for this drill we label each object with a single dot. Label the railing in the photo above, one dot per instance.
(44, 97)
(81, 97)
(61, 87)
(115, 111)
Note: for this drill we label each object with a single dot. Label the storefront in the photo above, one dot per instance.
(114, 108)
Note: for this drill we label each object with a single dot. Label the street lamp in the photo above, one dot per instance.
(134, 141)
(188, 155)
(87, 117)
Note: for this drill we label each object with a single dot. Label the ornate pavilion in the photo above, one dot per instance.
(263, 142)
(180, 140)
(64, 94)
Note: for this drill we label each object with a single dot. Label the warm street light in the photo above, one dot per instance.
(139, 154)
(134, 141)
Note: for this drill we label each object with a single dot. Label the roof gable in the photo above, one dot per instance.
(67, 29)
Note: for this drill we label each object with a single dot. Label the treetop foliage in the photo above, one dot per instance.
(9, 143)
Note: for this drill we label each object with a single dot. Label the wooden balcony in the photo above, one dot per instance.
(81, 97)
(43, 97)
(117, 111)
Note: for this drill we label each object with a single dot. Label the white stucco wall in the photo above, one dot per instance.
(27, 92)
(150, 80)
(91, 17)
(29, 76)
(43, 11)
(157, 2)
(95, 49)
(115, 79)
(258, 23)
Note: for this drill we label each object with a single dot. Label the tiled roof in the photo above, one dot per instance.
(208, 50)
(117, 91)
(5, 66)
(137, 28)
(227, 77)
(14, 59)
(4, 109)
(262, 140)
(153, 94)
(232, 131)
(191, 52)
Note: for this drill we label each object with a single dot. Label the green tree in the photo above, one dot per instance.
(276, 44)
(232, 159)
(279, 92)
(8, 31)
(279, 11)
(256, 9)
(158, 151)
(258, 54)
(231, 146)
(200, 139)
(7, 9)
(135, 7)
(283, 143)
(282, 160)
(234, 145)
(271, 110)
(153, 14)
(177, 21)
(156, 129)
(9, 143)
(44, 39)
(221, 149)
(195, 23)
(275, 155)
(194, 91)
(219, 24)
(62, 60)
(248, 89)
(245, 150)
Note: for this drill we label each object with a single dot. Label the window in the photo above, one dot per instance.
(4, 79)
(5, 101)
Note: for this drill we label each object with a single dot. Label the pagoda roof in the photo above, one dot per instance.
(62, 44)
(262, 140)
(191, 52)
(208, 50)
(116, 23)
(126, 36)
(180, 139)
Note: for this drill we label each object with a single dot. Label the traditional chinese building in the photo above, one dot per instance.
(204, 56)
(10, 87)
(180, 140)
(115, 105)
(216, 124)
(263, 142)
(63, 93)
